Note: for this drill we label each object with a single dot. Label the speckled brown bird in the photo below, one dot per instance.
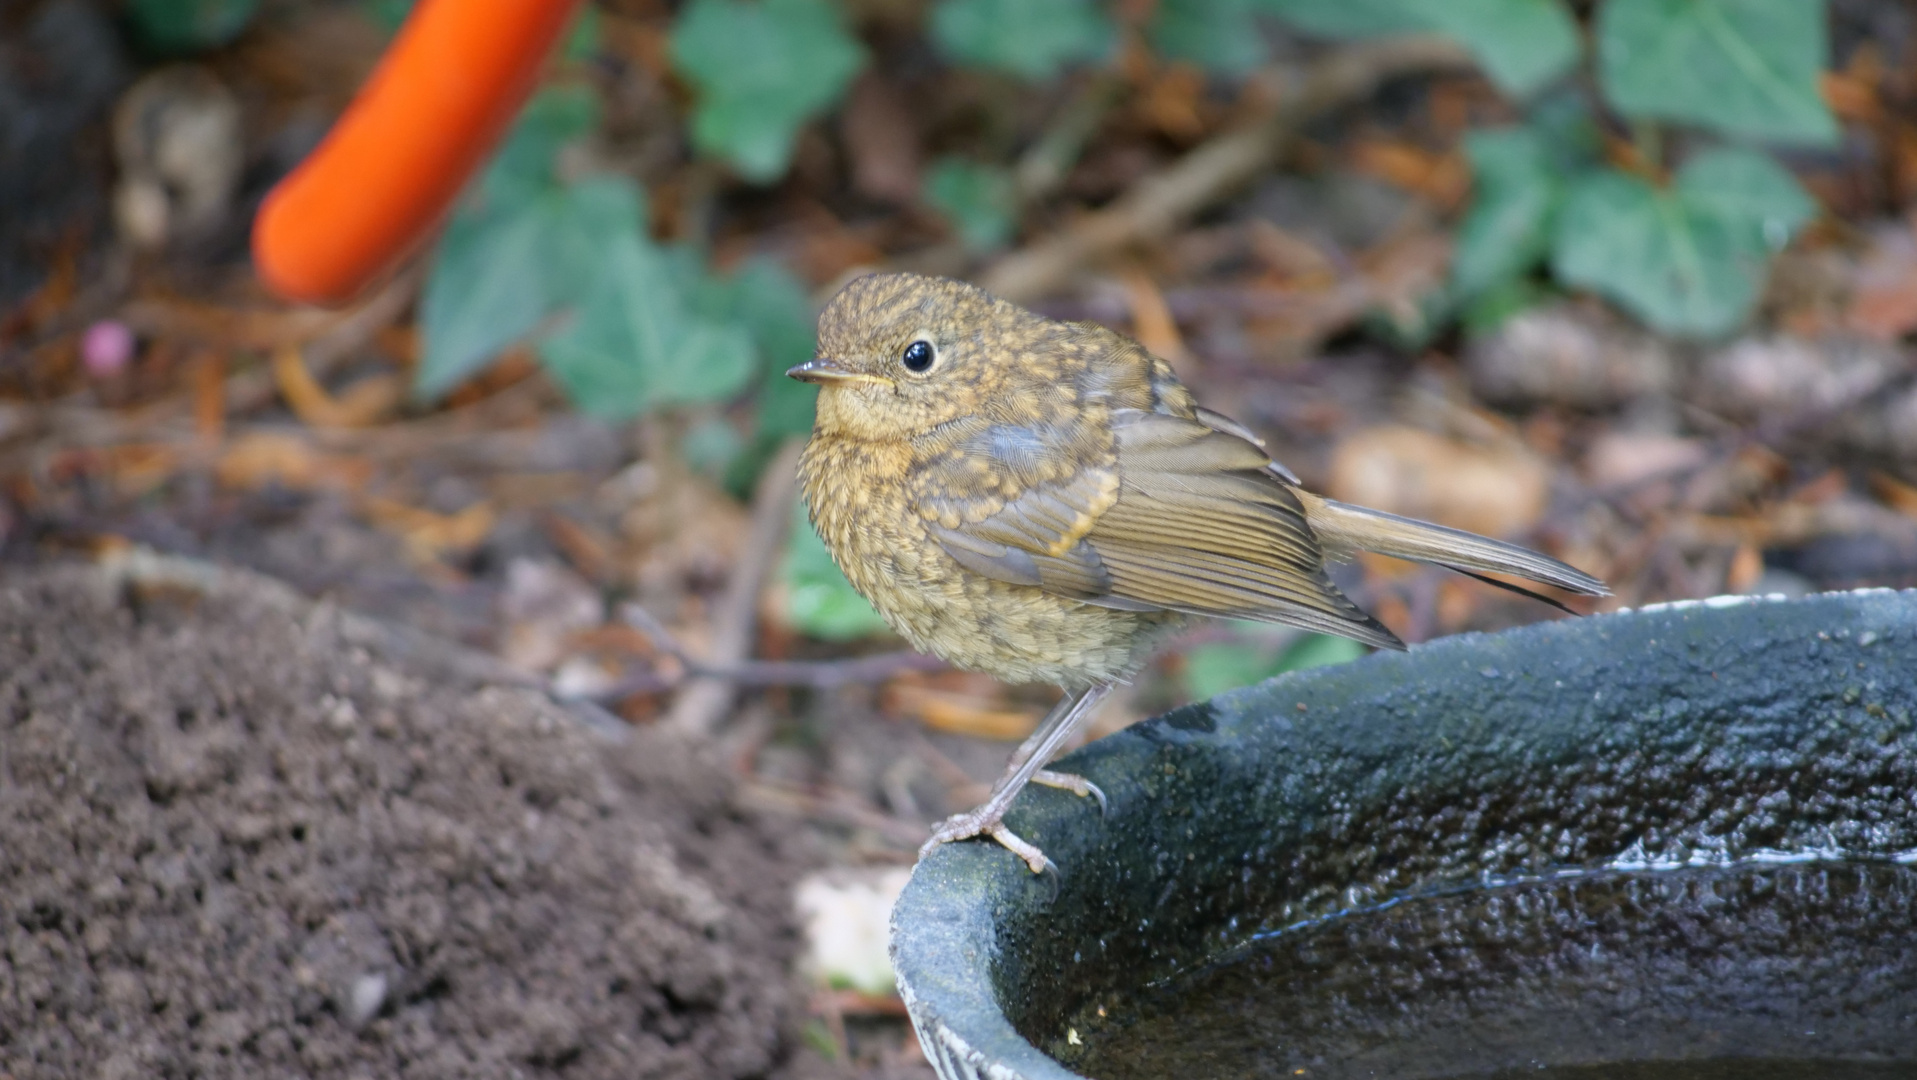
(1043, 501)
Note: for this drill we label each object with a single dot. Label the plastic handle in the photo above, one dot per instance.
(440, 99)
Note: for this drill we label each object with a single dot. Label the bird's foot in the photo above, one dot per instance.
(1075, 784)
(986, 821)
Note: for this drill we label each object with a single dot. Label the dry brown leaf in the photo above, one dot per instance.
(1173, 103)
(209, 396)
(1442, 178)
(1152, 322)
(641, 41)
(586, 546)
(1494, 490)
(1403, 271)
(1297, 261)
(137, 469)
(1851, 98)
(365, 402)
(1747, 565)
(957, 712)
(227, 327)
(1894, 493)
(259, 458)
(429, 534)
(1457, 602)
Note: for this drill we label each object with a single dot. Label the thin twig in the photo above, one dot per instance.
(1158, 203)
(830, 804)
(704, 700)
(817, 674)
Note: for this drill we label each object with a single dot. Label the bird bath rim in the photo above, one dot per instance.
(965, 928)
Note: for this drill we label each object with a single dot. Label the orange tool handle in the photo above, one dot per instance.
(384, 177)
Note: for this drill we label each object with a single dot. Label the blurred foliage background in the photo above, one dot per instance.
(1634, 281)
(1548, 269)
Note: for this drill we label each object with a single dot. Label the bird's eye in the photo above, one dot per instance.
(917, 356)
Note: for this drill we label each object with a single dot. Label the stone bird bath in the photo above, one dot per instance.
(1678, 842)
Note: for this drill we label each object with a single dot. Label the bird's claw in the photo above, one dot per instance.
(967, 825)
(1075, 784)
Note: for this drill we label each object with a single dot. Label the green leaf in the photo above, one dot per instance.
(773, 307)
(1029, 38)
(1690, 259)
(1221, 36)
(819, 602)
(1213, 668)
(761, 70)
(1678, 271)
(523, 166)
(188, 26)
(711, 446)
(1514, 192)
(1319, 650)
(1571, 137)
(980, 201)
(635, 344)
(1744, 67)
(484, 292)
(1523, 45)
(585, 215)
(582, 41)
(1352, 18)
(1748, 188)
(388, 15)
(506, 264)
(1494, 306)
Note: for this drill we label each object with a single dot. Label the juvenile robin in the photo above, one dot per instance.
(1043, 501)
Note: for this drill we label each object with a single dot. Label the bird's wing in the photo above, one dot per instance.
(1015, 502)
(1171, 514)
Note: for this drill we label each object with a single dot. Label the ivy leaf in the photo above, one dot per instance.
(1743, 67)
(1351, 18)
(980, 201)
(1687, 260)
(1514, 192)
(1028, 38)
(505, 264)
(486, 290)
(761, 70)
(1750, 189)
(587, 214)
(1523, 45)
(188, 26)
(774, 309)
(819, 602)
(1214, 668)
(635, 345)
(522, 168)
(1221, 36)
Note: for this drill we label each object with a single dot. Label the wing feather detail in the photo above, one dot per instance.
(1178, 516)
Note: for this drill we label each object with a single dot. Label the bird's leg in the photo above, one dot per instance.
(1043, 745)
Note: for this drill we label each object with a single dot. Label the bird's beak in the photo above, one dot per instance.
(827, 372)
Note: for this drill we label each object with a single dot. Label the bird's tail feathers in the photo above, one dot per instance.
(1345, 529)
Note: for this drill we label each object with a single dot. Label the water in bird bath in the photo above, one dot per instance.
(1759, 970)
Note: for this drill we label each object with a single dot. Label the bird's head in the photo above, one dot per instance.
(901, 354)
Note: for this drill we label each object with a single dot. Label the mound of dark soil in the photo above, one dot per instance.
(236, 839)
